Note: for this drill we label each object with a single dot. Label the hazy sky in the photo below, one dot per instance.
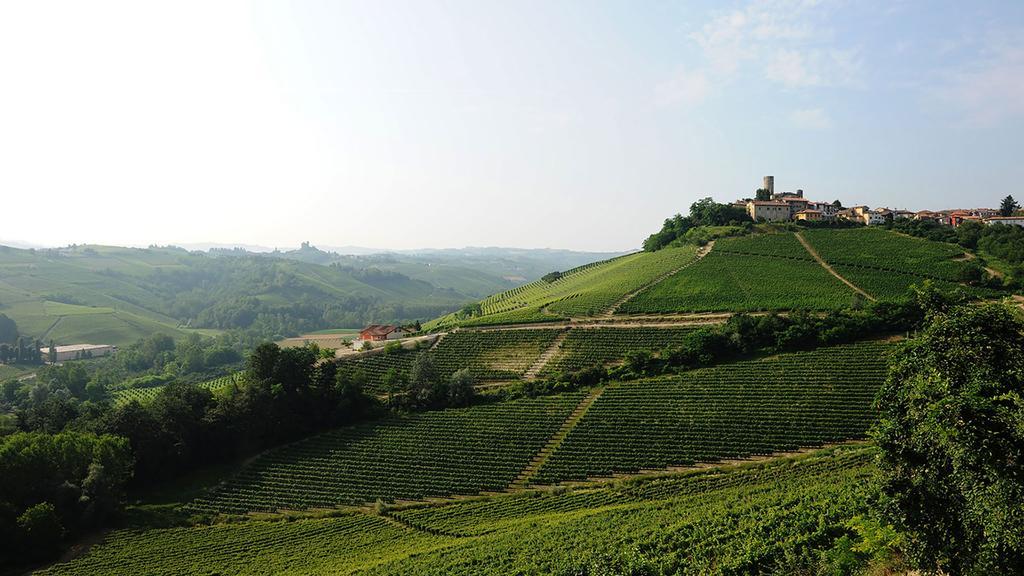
(535, 124)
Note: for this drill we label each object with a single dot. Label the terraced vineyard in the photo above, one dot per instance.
(734, 282)
(735, 410)
(492, 354)
(585, 347)
(146, 394)
(729, 520)
(584, 291)
(455, 451)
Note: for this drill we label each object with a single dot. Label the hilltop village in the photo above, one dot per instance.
(770, 206)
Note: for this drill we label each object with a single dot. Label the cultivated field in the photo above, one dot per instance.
(455, 451)
(735, 410)
(585, 291)
(725, 520)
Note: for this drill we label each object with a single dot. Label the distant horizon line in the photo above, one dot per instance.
(346, 250)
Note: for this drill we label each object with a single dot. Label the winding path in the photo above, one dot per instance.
(814, 254)
(701, 252)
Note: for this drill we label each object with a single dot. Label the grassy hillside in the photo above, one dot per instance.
(475, 272)
(770, 277)
(116, 295)
(765, 271)
(774, 516)
(585, 291)
(775, 271)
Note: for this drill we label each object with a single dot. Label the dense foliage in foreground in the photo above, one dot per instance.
(952, 439)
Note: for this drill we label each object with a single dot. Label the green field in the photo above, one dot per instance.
(734, 410)
(586, 347)
(732, 282)
(738, 519)
(455, 451)
(882, 250)
(585, 291)
(112, 295)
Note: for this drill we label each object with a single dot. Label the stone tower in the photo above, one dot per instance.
(769, 185)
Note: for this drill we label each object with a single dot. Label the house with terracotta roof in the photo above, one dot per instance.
(381, 332)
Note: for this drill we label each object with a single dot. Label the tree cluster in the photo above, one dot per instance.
(705, 212)
(998, 240)
(952, 441)
(287, 393)
(54, 486)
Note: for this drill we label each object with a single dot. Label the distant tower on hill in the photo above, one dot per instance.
(769, 185)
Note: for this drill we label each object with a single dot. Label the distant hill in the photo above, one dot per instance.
(116, 295)
(475, 272)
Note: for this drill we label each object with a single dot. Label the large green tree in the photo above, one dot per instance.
(1008, 206)
(952, 441)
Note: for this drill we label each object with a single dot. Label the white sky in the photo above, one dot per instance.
(443, 124)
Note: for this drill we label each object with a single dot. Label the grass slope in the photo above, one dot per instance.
(585, 291)
(111, 295)
(733, 282)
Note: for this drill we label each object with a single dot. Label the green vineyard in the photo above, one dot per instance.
(779, 245)
(883, 250)
(584, 291)
(492, 354)
(728, 520)
(489, 355)
(374, 367)
(734, 282)
(301, 547)
(121, 397)
(585, 347)
(455, 451)
(735, 410)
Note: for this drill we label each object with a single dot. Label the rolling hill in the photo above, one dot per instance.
(116, 295)
(751, 463)
(813, 270)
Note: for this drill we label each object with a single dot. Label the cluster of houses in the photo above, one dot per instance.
(787, 206)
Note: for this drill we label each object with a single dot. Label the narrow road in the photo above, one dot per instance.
(814, 254)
